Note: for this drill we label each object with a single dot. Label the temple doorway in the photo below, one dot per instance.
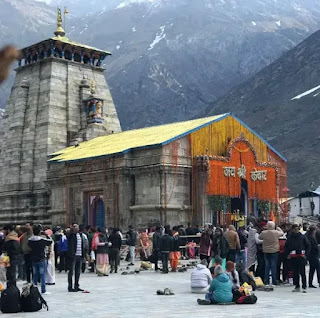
(96, 212)
(241, 203)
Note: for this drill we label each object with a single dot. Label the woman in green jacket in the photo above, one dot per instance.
(220, 290)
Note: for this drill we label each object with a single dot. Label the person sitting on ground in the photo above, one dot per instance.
(245, 277)
(201, 278)
(234, 275)
(220, 290)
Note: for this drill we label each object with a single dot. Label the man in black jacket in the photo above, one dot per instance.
(76, 253)
(12, 248)
(313, 256)
(220, 245)
(38, 244)
(298, 247)
(241, 256)
(116, 242)
(156, 247)
(165, 248)
(131, 241)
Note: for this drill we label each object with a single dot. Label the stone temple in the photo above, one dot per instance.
(44, 114)
(65, 159)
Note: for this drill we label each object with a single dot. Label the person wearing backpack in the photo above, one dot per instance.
(12, 248)
(38, 244)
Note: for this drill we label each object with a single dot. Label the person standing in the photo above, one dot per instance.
(271, 247)
(116, 242)
(206, 245)
(313, 256)
(20, 230)
(83, 232)
(220, 246)
(75, 254)
(144, 245)
(182, 240)
(38, 246)
(234, 243)
(241, 256)
(156, 247)
(190, 232)
(261, 266)
(132, 241)
(252, 248)
(175, 253)
(26, 250)
(102, 253)
(56, 239)
(62, 250)
(12, 248)
(298, 247)
(165, 248)
(282, 260)
(50, 259)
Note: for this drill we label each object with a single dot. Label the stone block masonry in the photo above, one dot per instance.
(43, 114)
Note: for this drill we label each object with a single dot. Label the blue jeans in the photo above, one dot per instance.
(39, 271)
(209, 296)
(241, 257)
(271, 261)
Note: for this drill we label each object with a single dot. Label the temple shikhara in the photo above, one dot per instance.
(65, 159)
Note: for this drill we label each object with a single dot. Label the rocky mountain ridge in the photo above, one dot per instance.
(281, 102)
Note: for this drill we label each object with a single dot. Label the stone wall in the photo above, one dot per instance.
(44, 112)
(144, 187)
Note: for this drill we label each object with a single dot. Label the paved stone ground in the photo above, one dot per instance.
(131, 296)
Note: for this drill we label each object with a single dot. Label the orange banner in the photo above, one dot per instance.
(240, 163)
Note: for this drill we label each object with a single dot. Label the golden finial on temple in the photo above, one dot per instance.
(93, 87)
(59, 31)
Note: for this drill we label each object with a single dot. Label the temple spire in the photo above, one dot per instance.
(59, 31)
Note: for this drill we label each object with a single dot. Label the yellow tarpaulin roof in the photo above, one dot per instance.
(125, 141)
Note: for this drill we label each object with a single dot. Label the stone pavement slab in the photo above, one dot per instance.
(131, 296)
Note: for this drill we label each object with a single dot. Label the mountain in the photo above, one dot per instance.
(172, 58)
(281, 102)
(23, 22)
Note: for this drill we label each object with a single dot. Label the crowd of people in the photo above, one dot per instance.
(34, 253)
(278, 255)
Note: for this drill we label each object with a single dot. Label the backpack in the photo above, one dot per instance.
(31, 299)
(250, 299)
(10, 300)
